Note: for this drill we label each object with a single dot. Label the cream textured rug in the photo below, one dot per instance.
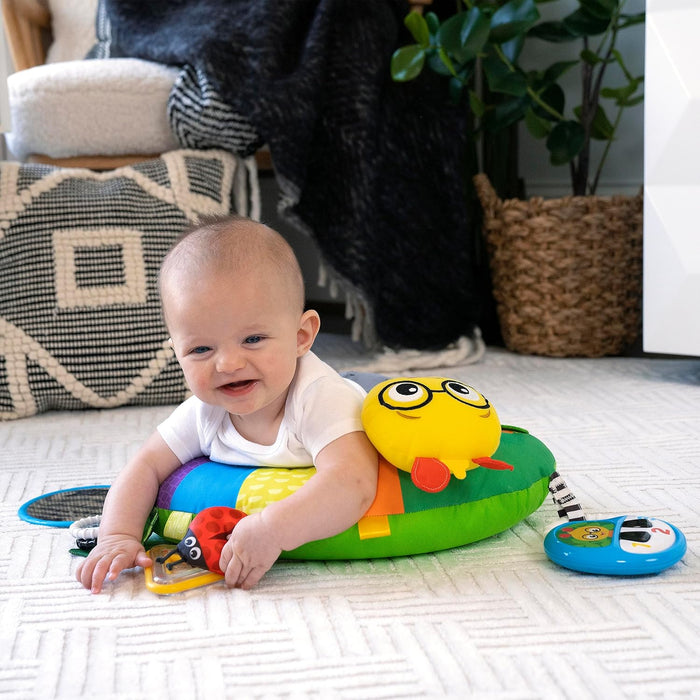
(491, 620)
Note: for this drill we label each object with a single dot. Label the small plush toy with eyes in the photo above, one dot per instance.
(432, 427)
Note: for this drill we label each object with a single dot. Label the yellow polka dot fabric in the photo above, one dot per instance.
(264, 486)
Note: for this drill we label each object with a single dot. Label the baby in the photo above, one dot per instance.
(233, 301)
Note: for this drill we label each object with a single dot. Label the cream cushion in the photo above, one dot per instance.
(73, 29)
(94, 107)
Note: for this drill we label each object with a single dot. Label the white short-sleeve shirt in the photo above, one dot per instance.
(321, 406)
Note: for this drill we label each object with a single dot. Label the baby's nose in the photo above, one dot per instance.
(229, 361)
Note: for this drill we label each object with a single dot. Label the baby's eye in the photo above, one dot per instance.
(200, 350)
(253, 339)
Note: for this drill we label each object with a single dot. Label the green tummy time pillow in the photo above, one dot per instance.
(449, 474)
(80, 322)
(403, 519)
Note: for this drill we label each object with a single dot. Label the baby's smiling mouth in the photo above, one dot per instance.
(239, 386)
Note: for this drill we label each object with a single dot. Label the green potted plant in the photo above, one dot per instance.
(491, 36)
(566, 272)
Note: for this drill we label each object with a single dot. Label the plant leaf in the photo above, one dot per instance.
(505, 113)
(554, 32)
(556, 70)
(445, 58)
(580, 23)
(436, 64)
(537, 126)
(464, 26)
(513, 18)
(407, 62)
(601, 127)
(631, 20)
(448, 35)
(501, 79)
(552, 95)
(602, 9)
(511, 49)
(475, 31)
(565, 142)
(433, 22)
(623, 94)
(590, 57)
(416, 24)
(620, 62)
(634, 101)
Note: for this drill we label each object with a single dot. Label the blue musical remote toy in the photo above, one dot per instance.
(621, 546)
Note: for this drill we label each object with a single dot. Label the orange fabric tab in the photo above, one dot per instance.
(389, 500)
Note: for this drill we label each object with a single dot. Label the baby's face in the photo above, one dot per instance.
(237, 340)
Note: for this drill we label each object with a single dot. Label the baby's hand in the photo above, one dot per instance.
(250, 551)
(105, 562)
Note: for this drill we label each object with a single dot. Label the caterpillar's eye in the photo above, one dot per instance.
(465, 393)
(404, 395)
(190, 541)
(194, 553)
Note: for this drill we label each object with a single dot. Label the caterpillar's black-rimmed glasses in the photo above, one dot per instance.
(408, 395)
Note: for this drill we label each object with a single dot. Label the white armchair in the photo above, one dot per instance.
(101, 113)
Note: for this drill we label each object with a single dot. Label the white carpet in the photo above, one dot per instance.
(495, 619)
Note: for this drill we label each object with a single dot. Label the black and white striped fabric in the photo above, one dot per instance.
(103, 32)
(200, 118)
(569, 505)
(80, 321)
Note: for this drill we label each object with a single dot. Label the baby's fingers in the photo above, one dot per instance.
(231, 565)
(238, 574)
(92, 572)
(250, 579)
(82, 570)
(142, 559)
(96, 570)
(225, 556)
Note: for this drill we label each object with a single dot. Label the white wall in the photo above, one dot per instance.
(624, 170)
(672, 179)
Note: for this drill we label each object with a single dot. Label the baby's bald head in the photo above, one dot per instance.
(235, 246)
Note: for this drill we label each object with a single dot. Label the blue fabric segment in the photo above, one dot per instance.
(210, 484)
(367, 380)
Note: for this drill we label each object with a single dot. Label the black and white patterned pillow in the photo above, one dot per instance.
(80, 320)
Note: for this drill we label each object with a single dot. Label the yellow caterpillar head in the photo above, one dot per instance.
(435, 418)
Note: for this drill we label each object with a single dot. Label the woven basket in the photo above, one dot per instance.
(567, 272)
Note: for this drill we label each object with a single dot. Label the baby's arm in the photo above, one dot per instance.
(334, 499)
(126, 508)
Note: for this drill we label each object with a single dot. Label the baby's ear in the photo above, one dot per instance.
(309, 326)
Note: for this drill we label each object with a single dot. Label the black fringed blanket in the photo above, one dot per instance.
(375, 171)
